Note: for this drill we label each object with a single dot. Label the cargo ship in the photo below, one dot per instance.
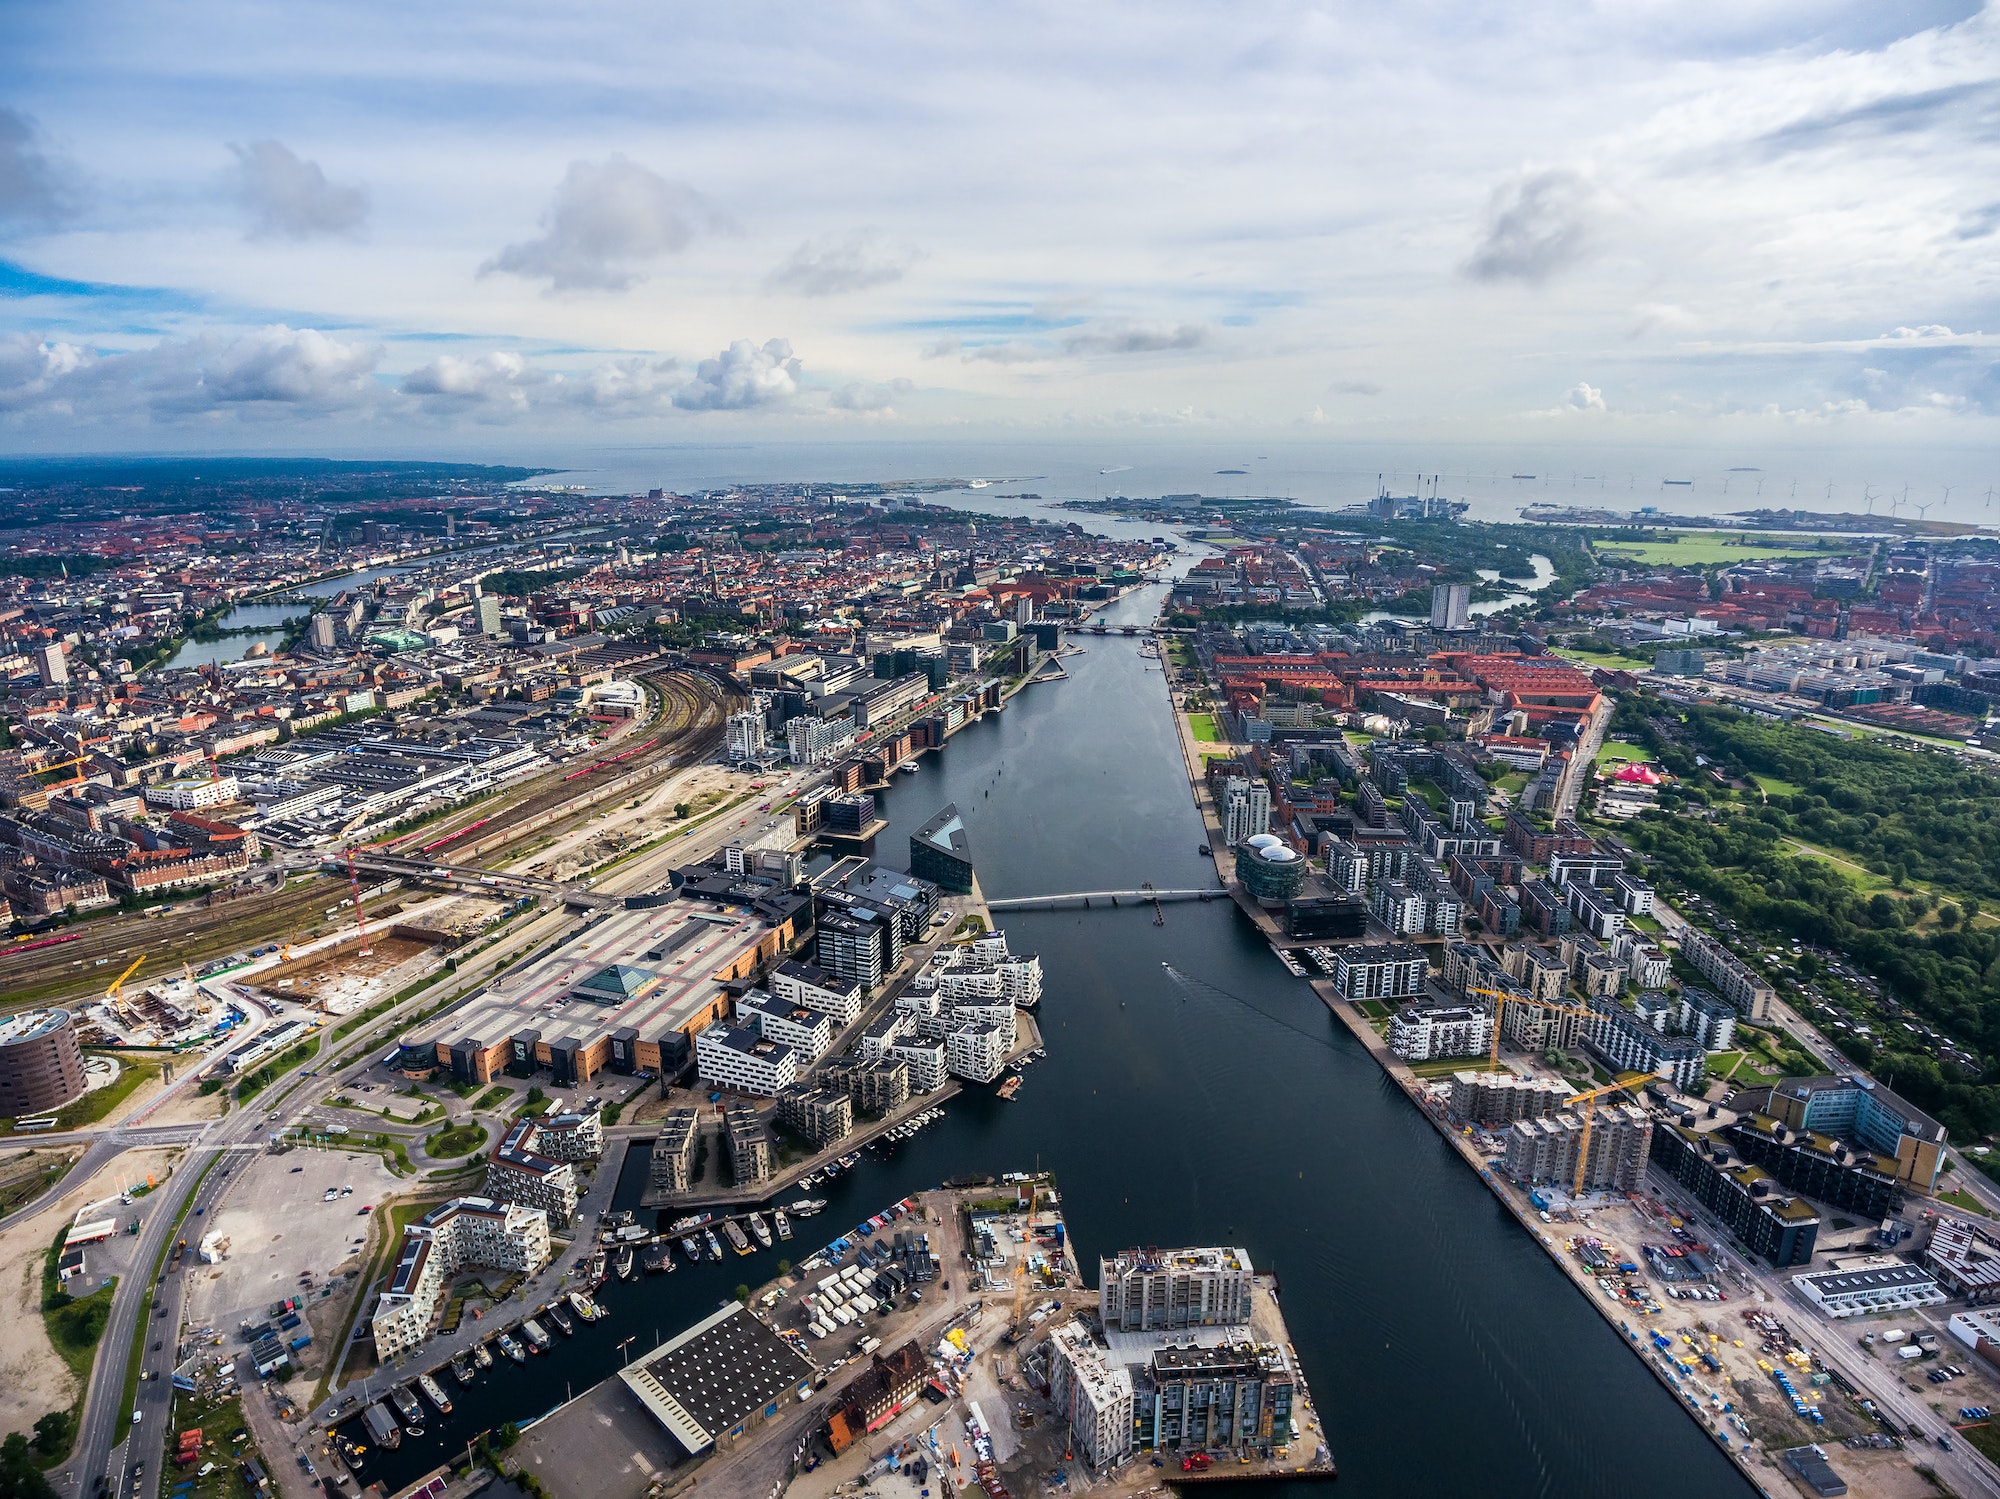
(738, 1241)
(434, 1392)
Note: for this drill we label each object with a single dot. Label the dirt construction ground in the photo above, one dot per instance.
(33, 1378)
(341, 977)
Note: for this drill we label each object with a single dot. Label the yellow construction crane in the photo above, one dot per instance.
(64, 765)
(117, 990)
(1502, 998)
(1625, 1085)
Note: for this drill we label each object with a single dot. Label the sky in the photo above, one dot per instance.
(339, 226)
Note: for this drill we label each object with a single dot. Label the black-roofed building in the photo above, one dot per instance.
(941, 852)
(723, 1376)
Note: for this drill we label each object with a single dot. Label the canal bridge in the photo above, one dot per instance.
(1084, 898)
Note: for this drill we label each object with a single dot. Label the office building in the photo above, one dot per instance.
(1153, 1290)
(1880, 1289)
(807, 1032)
(1780, 1228)
(1091, 1393)
(745, 736)
(41, 1065)
(1271, 872)
(465, 1231)
(1451, 606)
(320, 634)
(855, 946)
(1864, 1111)
(941, 852)
(734, 1056)
(489, 615)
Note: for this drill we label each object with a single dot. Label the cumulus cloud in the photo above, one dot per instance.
(743, 376)
(490, 387)
(267, 372)
(1129, 338)
(1922, 330)
(291, 198)
(1536, 225)
(836, 264)
(1354, 388)
(869, 400)
(1585, 397)
(628, 387)
(35, 190)
(606, 219)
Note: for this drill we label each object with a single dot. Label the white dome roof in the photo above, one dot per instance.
(1263, 841)
(1280, 854)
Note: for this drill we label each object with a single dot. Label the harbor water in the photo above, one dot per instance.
(1195, 1093)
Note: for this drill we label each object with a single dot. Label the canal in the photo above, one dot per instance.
(1446, 1354)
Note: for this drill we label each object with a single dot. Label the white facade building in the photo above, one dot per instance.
(746, 735)
(926, 1060)
(193, 793)
(977, 1051)
(1246, 810)
(465, 1231)
(816, 989)
(1093, 1394)
(1888, 1285)
(1145, 1290)
(807, 1032)
(1426, 1031)
(817, 741)
(733, 1056)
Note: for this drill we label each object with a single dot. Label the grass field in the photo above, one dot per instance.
(94, 1105)
(1772, 786)
(1959, 1198)
(1374, 1009)
(457, 1140)
(1609, 660)
(1204, 727)
(1619, 749)
(1704, 550)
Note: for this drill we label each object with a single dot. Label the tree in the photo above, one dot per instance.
(683, 811)
(743, 1294)
(53, 1433)
(784, 1267)
(19, 1477)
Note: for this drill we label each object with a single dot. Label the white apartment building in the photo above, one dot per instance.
(733, 1056)
(1093, 1394)
(1736, 980)
(1246, 810)
(817, 741)
(523, 1171)
(985, 969)
(1143, 1290)
(1388, 971)
(1425, 1031)
(192, 793)
(465, 1231)
(746, 735)
(807, 1032)
(927, 1060)
(977, 1051)
(816, 989)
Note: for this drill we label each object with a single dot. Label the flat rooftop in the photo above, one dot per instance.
(653, 969)
(723, 1370)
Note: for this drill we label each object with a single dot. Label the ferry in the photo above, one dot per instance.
(482, 1356)
(561, 1319)
(537, 1335)
(624, 1264)
(738, 1241)
(805, 1207)
(1012, 1086)
(691, 1249)
(780, 1222)
(461, 1369)
(434, 1392)
(512, 1348)
(407, 1407)
(760, 1229)
(714, 1245)
(381, 1427)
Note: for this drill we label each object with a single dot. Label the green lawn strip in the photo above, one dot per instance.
(1620, 749)
(1958, 1197)
(1702, 550)
(276, 1068)
(1204, 727)
(490, 1097)
(96, 1105)
(75, 1326)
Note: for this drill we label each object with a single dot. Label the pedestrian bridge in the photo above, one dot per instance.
(1143, 897)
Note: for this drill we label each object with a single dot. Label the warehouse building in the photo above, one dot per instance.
(1871, 1291)
(719, 1379)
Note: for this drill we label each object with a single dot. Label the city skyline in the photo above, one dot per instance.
(357, 229)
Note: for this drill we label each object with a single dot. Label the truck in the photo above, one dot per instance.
(1196, 1462)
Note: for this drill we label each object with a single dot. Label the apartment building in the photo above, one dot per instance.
(1781, 1228)
(465, 1231)
(1544, 1151)
(816, 989)
(672, 1166)
(807, 1032)
(1628, 1044)
(1246, 810)
(751, 1151)
(823, 1113)
(1862, 1110)
(1422, 1032)
(1493, 1099)
(876, 1087)
(1149, 1290)
(1383, 971)
(518, 1172)
(1733, 979)
(977, 1051)
(734, 1056)
(1203, 1399)
(1093, 1394)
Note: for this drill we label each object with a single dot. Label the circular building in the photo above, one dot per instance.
(41, 1066)
(1272, 873)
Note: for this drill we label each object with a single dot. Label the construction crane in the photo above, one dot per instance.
(64, 765)
(117, 990)
(1626, 1085)
(1502, 998)
(354, 887)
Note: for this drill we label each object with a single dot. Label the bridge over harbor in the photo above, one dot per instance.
(1147, 896)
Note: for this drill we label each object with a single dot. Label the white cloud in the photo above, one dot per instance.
(490, 386)
(1537, 224)
(31, 370)
(291, 198)
(865, 399)
(36, 190)
(1585, 397)
(1126, 338)
(1926, 330)
(743, 376)
(607, 218)
(837, 264)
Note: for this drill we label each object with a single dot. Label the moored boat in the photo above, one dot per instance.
(482, 1356)
(738, 1240)
(714, 1245)
(1012, 1086)
(624, 1263)
(805, 1207)
(780, 1222)
(561, 1319)
(760, 1229)
(461, 1369)
(537, 1335)
(406, 1406)
(583, 1306)
(657, 1258)
(691, 1249)
(434, 1392)
(381, 1426)
(511, 1346)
